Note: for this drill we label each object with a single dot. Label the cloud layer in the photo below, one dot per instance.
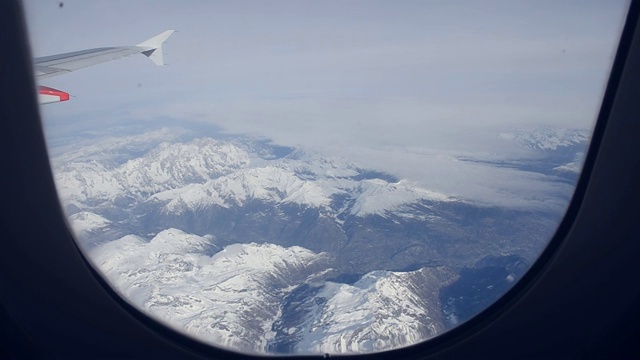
(407, 87)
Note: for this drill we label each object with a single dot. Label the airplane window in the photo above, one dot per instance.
(318, 177)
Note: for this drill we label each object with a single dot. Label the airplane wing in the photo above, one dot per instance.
(49, 66)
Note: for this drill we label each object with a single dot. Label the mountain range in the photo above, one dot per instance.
(270, 249)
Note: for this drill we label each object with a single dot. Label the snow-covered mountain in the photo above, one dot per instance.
(271, 249)
(167, 166)
(230, 297)
(239, 296)
(269, 184)
(113, 149)
(206, 172)
(548, 138)
(86, 223)
(556, 152)
(381, 310)
(574, 166)
(282, 184)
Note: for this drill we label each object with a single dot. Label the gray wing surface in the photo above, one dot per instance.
(49, 66)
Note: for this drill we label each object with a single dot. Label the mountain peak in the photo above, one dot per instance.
(548, 138)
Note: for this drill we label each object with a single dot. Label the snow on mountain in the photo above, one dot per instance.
(168, 166)
(236, 297)
(207, 172)
(265, 297)
(87, 181)
(230, 298)
(377, 197)
(548, 138)
(172, 165)
(310, 182)
(382, 310)
(115, 150)
(268, 184)
(574, 166)
(315, 164)
(372, 193)
(86, 222)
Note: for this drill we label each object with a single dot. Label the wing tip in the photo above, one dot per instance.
(156, 41)
(153, 47)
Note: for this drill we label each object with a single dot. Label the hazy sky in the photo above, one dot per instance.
(402, 86)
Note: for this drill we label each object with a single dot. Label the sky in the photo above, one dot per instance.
(406, 87)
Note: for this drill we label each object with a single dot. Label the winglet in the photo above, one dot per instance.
(153, 47)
